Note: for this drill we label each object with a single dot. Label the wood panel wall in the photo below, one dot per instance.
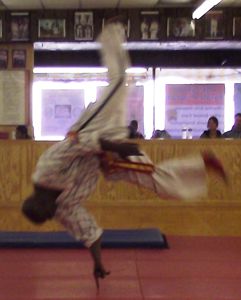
(121, 205)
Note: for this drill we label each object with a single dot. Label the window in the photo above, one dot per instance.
(188, 97)
(61, 95)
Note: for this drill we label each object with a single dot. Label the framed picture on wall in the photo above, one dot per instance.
(51, 28)
(180, 27)
(122, 19)
(19, 26)
(214, 25)
(237, 27)
(19, 58)
(3, 58)
(150, 25)
(83, 26)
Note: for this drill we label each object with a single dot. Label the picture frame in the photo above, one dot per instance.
(62, 111)
(122, 19)
(214, 25)
(19, 26)
(180, 27)
(83, 26)
(3, 58)
(51, 28)
(19, 58)
(237, 27)
(149, 25)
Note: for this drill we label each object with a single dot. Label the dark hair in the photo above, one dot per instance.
(237, 115)
(160, 134)
(156, 134)
(214, 119)
(39, 210)
(134, 123)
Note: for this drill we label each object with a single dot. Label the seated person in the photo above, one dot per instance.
(212, 132)
(133, 130)
(235, 132)
(22, 133)
(160, 134)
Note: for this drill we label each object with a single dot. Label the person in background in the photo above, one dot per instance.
(235, 132)
(160, 134)
(212, 132)
(133, 130)
(22, 133)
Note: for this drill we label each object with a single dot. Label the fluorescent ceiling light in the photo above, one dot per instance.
(204, 7)
(136, 70)
(65, 70)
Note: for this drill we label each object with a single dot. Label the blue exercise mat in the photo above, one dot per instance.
(143, 238)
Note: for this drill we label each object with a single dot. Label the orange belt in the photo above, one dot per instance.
(114, 164)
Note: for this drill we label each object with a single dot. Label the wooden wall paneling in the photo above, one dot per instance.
(71, 30)
(235, 13)
(229, 24)
(34, 24)
(107, 15)
(98, 15)
(134, 24)
(167, 13)
(163, 24)
(202, 216)
(146, 58)
(3, 19)
(69, 26)
(7, 26)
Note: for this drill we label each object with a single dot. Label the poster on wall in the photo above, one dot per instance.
(191, 105)
(12, 97)
(60, 109)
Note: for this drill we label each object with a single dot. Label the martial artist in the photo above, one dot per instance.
(67, 173)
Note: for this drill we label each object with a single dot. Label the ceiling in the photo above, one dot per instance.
(102, 4)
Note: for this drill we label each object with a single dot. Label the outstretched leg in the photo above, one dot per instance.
(111, 106)
(183, 178)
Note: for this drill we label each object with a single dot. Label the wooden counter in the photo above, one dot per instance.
(121, 205)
